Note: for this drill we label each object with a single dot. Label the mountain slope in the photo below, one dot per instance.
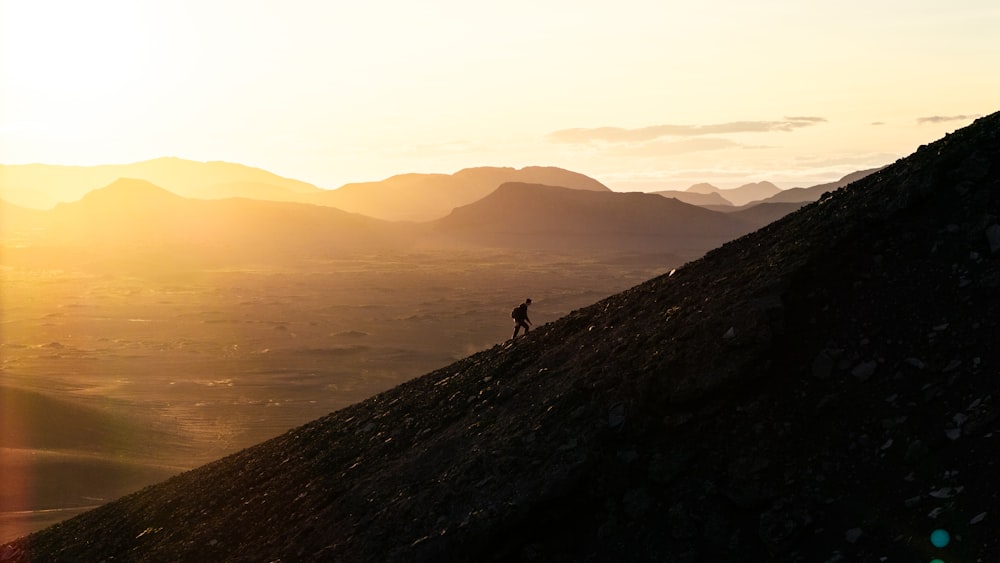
(424, 197)
(823, 389)
(535, 216)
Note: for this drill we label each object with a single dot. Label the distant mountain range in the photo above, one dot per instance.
(405, 197)
(712, 197)
(805, 195)
(226, 212)
(409, 197)
(42, 186)
(132, 218)
(741, 195)
(422, 197)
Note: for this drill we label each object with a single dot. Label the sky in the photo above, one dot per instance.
(639, 94)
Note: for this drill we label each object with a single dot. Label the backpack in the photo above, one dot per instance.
(519, 313)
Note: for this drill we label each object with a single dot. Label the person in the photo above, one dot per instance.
(520, 316)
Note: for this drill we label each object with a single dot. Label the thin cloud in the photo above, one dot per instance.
(672, 148)
(945, 118)
(644, 134)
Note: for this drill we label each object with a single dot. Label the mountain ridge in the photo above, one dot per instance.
(741, 195)
(794, 395)
(522, 214)
(424, 197)
(132, 216)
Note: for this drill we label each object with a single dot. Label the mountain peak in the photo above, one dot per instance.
(703, 188)
(130, 192)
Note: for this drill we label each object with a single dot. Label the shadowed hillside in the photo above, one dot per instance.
(824, 389)
(534, 216)
(58, 456)
(423, 197)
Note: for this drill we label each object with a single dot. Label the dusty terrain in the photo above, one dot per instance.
(113, 381)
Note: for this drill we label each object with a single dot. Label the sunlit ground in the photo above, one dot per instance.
(114, 381)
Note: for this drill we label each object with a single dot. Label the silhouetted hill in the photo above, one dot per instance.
(535, 216)
(41, 186)
(133, 219)
(741, 195)
(824, 389)
(424, 197)
(695, 198)
(812, 193)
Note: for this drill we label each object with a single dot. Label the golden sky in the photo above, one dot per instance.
(640, 94)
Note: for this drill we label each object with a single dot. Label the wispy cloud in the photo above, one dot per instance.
(659, 148)
(644, 134)
(945, 118)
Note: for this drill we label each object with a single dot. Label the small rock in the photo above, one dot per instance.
(953, 433)
(915, 451)
(730, 334)
(822, 365)
(943, 493)
(978, 518)
(627, 456)
(636, 503)
(853, 535)
(616, 415)
(782, 522)
(864, 370)
(993, 237)
(914, 362)
(681, 524)
(952, 366)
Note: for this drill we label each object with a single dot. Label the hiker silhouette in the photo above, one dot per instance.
(520, 316)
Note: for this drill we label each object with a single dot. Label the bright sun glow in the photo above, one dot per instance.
(334, 92)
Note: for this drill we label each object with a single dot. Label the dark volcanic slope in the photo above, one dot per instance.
(825, 389)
